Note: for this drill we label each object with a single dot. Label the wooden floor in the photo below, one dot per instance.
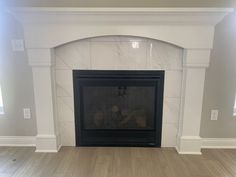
(116, 162)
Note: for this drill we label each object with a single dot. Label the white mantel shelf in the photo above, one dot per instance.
(170, 16)
(71, 10)
(192, 29)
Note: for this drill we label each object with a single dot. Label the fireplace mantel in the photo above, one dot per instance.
(165, 16)
(185, 27)
(189, 28)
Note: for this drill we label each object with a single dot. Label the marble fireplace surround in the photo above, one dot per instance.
(191, 29)
(118, 53)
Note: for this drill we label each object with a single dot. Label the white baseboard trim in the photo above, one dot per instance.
(189, 153)
(17, 141)
(50, 151)
(189, 145)
(30, 141)
(47, 143)
(219, 143)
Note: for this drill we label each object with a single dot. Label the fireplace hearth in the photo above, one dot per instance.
(118, 108)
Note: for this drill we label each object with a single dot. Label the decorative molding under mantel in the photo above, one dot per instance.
(166, 16)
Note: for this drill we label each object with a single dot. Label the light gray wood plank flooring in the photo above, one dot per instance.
(115, 162)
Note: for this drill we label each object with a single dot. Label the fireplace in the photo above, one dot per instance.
(118, 108)
(187, 30)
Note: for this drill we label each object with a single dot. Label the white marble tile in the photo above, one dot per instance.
(132, 55)
(164, 56)
(67, 130)
(171, 109)
(64, 89)
(169, 134)
(60, 64)
(60, 91)
(64, 77)
(104, 55)
(119, 53)
(65, 108)
(69, 101)
(74, 55)
(173, 83)
(64, 82)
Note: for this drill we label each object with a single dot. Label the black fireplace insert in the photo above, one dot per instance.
(118, 108)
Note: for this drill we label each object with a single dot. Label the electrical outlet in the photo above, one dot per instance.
(17, 45)
(214, 114)
(27, 113)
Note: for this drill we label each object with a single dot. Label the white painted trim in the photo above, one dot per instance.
(219, 143)
(47, 143)
(189, 145)
(30, 141)
(18, 141)
(45, 151)
(121, 10)
(189, 152)
(194, 27)
(93, 15)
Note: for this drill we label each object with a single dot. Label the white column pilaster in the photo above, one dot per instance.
(47, 139)
(195, 63)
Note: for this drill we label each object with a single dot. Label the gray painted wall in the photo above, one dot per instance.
(16, 83)
(220, 85)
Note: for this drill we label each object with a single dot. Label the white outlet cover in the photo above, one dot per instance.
(17, 45)
(214, 114)
(27, 113)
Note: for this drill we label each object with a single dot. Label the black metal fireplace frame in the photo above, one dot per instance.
(143, 138)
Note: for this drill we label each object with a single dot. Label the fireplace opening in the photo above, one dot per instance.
(118, 108)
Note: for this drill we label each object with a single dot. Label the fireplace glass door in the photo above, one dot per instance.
(118, 108)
